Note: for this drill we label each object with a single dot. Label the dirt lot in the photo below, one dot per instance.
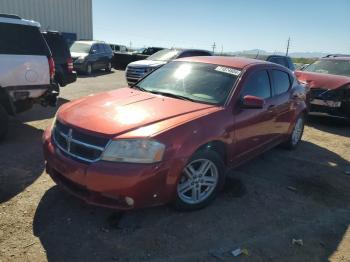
(257, 210)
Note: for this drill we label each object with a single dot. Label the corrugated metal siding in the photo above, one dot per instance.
(71, 16)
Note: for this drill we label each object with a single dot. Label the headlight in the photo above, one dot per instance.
(134, 151)
(149, 69)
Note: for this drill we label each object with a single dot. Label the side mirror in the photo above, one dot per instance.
(252, 102)
(93, 51)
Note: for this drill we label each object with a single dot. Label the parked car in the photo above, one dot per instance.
(171, 137)
(121, 60)
(64, 73)
(91, 55)
(27, 68)
(118, 48)
(329, 81)
(279, 59)
(136, 70)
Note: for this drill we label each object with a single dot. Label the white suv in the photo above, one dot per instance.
(26, 68)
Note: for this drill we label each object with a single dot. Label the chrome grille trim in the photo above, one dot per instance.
(133, 74)
(70, 141)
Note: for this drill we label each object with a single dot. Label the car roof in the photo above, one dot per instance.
(236, 62)
(13, 19)
(89, 42)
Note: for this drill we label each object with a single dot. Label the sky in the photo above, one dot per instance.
(312, 25)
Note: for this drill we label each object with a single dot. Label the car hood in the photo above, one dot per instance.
(124, 110)
(319, 80)
(147, 63)
(76, 55)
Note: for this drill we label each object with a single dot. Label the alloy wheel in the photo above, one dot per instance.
(297, 131)
(198, 182)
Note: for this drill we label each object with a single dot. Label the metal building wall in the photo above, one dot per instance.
(71, 16)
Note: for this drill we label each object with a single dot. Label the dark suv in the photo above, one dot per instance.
(279, 59)
(63, 61)
(91, 55)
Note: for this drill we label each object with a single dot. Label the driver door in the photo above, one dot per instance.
(254, 127)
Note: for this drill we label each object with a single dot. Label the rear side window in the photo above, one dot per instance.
(107, 49)
(193, 53)
(22, 40)
(258, 84)
(281, 81)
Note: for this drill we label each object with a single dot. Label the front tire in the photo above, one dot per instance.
(88, 70)
(201, 180)
(295, 137)
(4, 123)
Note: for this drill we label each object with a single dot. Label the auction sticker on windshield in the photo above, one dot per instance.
(228, 70)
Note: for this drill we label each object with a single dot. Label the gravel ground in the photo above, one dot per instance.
(279, 196)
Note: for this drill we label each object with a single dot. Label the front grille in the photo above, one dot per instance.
(77, 144)
(133, 74)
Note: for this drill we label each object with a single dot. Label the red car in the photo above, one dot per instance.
(170, 137)
(329, 81)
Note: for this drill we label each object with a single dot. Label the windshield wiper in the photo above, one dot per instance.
(139, 88)
(171, 95)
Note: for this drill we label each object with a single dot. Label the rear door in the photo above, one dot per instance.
(23, 57)
(95, 56)
(281, 82)
(254, 128)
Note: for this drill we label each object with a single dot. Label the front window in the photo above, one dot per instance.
(199, 82)
(333, 67)
(80, 48)
(164, 55)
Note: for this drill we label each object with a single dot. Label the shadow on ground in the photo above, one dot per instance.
(39, 112)
(268, 201)
(21, 161)
(334, 125)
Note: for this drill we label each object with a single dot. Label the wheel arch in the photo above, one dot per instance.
(217, 146)
(6, 102)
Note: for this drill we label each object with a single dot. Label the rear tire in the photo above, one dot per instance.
(201, 180)
(297, 133)
(108, 67)
(4, 122)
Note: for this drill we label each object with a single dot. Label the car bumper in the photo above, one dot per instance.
(79, 66)
(121, 186)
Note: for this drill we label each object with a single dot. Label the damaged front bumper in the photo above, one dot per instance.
(331, 101)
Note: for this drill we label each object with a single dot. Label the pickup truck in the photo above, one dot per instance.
(121, 59)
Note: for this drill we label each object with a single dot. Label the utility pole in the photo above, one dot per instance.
(213, 46)
(288, 43)
(222, 49)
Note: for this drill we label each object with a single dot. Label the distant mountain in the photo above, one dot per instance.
(254, 52)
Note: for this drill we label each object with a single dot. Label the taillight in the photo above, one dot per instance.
(51, 67)
(70, 65)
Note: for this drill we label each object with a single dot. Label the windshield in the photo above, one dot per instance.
(139, 51)
(164, 55)
(198, 82)
(80, 48)
(334, 67)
